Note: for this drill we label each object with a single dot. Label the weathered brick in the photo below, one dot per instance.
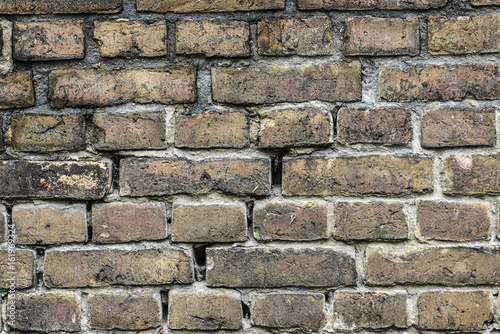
(18, 263)
(464, 34)
(304, 37)
(122, 310)
(290, 310)
(50, 223)
(110, 131)
(52, 40)
(94, 268)
(131, 38)
(181, 6)
(278, 220)
(354, 310)
(147, 177)
(454, 266)
(123, 222)
(369, 4)
(458, 127)
(212, 129)
(280, 267)
(3, 223)
(442, 220)
(93, 88)
(209, 222)
(303, 125)
(471, 174)
(439, 83)
(204, 310)
(376, 174)
(457, 310)
(36, 132)
(485, 2)
(16, 90)
(373, 36)
(388, 126)
(280, 83)
(373, 220)
(21, 7)
(47, 312)
(213, 39)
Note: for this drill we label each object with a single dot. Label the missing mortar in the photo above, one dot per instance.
(277, 169)
(200, 258)
(246, 310)
(90, 231)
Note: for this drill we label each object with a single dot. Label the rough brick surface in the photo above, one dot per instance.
(21, 266)
(16, 90)
(60, 6)
(368, 4)
(485, 2)
(3, 223)
(180, 6)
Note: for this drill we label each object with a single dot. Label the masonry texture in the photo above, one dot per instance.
(249, 166)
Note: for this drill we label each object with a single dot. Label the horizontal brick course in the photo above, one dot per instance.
(178, 6)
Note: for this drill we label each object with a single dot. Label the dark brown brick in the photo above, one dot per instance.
(212, 129)
(373, 36)
(373, 220)
(458, 127)
(303, 37)
(3, 223)
(290, 310)
(16, 90)
(54, 40)
(280, 267)
(280, 83)
(471, 174)
(98, 267)
(388, 126)
(148, 177)
(369, 310)
(123, 222)
(35, 132)
(125, 311)
(453, 266)
(376, 174)
(18, 263)
(93, 88)
(277, 220)
(21, 7)
(456, 310)
(204, 310)
(181, 6)
(369, 4)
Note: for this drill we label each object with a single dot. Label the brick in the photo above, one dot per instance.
(372, 221)
(21, 266)
(303, 37)
(213, 39)
(83, 180)
(304, 125)
(209, 222)
(131, 38)
(104, 267)
(204, 310)
(16, 90)
(458, 310)
(181, 6)
(54, 40)
(3, 223)
(123, 222)
(439, 83)
(376, 174)
(50, 223)
(458, 127)
(369, 4)
(471, 174)
(354, 310)
(280, 267)
(24, 7)
(123, 310)
(372, 36)
(464, 34)
(212, 129)
(94, 88)
(290, 310)
(110, 131)
(150, 177)
(455, 221)
(280, 83)
(388, 126)
(279, 220)
(453, 266)
(36, 132)
(47, 312)
(485, 2)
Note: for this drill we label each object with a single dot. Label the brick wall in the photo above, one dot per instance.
(249, 165)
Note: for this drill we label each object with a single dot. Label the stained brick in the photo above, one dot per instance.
(3, 223)
(16, 90)
(20, 7)
(21, 266)
(369, 4)
(181, 6)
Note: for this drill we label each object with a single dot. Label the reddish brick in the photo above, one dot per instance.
(22, 7)
(3, 223)
(181, 6)
(16, 90)
(18, 263)
(369, 4)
